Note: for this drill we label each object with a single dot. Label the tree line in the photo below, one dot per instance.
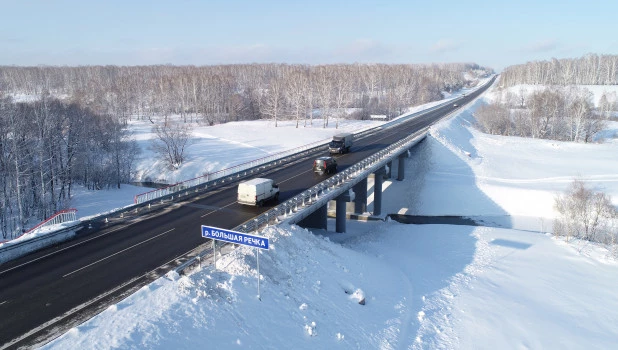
(590, 69)
(561, 110)
(48, 146)
(219, 94)
(556, 113)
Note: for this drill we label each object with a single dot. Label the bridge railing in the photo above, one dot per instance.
(302, 205)
(66, 215)
(183, 185)
(318, 195)
(221, 174)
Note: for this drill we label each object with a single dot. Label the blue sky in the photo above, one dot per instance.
(495, 34)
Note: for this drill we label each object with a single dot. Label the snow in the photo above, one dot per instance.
(235, 143)
(508, 285)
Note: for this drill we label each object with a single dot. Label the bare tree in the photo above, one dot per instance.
(324, 86)
(493, 119)
(171, 142)
(273, 100)
(341, 96)
(584, 213)
(295, 91)
(579, 111)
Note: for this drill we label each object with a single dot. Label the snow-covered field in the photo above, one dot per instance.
(423, 286)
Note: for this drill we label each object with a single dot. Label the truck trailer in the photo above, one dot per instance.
(341, 143)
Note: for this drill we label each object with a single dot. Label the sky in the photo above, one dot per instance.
(492, 34)
(424, 286)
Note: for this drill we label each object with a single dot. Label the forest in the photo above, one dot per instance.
(591, 69)
(561, 108)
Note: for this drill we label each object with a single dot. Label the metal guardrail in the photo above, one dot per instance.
(180, 186)
(305, 203)
(295, 209)
(17, 249)
(210, 178)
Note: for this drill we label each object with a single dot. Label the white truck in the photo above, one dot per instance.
(257, 191)
(341, 143)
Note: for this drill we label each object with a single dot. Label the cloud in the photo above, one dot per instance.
(362, 47)
(248, 53)
(542, 46)
(444, 45)
(360, 51)
(11, 39)
(232, 54)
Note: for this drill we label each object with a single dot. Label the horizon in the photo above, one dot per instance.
(73, 33)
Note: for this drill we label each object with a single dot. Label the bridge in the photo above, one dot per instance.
(111, 256)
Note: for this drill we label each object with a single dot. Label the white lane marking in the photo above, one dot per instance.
(118, 252)
(60, 250)
(227, 205)
(297, 175)
(216, 210)
(83, 306)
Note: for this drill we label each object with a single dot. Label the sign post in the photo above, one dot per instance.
(219, 234)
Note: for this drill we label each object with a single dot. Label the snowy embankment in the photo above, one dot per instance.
(424, 286)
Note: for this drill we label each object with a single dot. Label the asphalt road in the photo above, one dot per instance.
(45, 293)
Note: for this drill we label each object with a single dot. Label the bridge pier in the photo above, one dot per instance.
(340, 215)
(377, 191)
(389, 167)
(360, 196)
(401, 167)
(317, 219)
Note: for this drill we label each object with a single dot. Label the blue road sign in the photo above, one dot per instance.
(234, 237)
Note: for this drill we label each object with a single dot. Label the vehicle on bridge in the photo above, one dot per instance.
(257, 191)
(325, 165)
(341, 143)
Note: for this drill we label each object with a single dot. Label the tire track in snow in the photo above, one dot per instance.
(402, 332)
(437, 317)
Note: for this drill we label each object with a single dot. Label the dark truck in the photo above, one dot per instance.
(341, 143)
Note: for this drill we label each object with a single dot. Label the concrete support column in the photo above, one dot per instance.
(389, 171)
(360, 199)
(317, 219)
(377, 191)
(401, 167)
(340, 215)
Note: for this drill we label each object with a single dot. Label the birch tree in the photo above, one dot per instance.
(171, 142)
(273, 100)
(295, 91)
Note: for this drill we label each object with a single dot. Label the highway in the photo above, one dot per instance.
(45, 293)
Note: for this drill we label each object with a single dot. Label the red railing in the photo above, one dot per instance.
(58, 218)
(64, 215)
